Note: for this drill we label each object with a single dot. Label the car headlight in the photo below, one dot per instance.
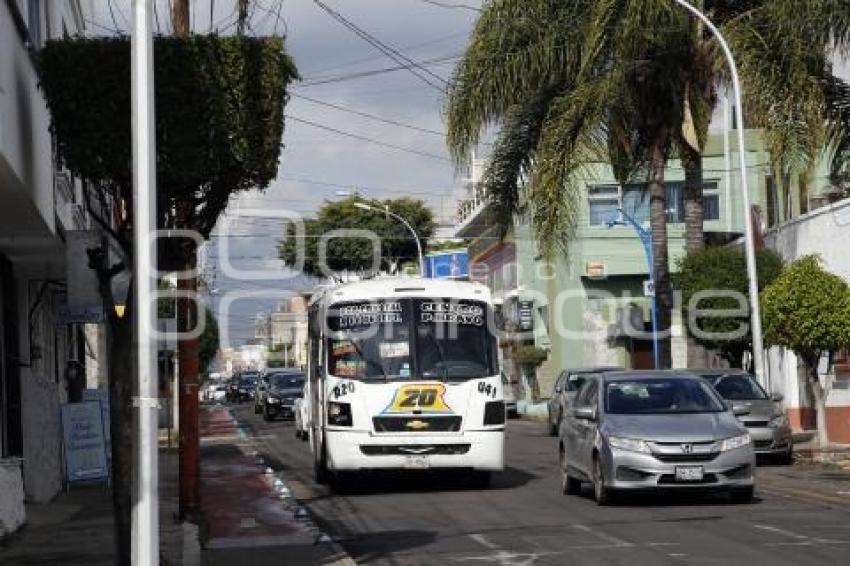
(273, 400)
(735, 442)
(630, 444)
(339, 414)
(778, 421)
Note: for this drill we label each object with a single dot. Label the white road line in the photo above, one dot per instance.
(612, 540)
(779, 531)
(482, 540)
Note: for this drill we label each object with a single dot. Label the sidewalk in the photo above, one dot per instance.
(77, 527)
(249, 514)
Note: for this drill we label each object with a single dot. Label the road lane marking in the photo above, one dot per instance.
(612, 540)
(780, 531)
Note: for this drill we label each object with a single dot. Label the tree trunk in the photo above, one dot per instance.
(190, 458)
(661, 264)
(180, 18)
(121, 386)
(819, 393)
(694, 236)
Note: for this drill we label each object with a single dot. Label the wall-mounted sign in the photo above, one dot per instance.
(595, 269)
(525, 315)
(649, 288)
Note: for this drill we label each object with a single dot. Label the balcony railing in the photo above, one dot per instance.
(467, 208)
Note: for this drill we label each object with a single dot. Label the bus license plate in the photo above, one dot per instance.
(416, 462)
(689, 473)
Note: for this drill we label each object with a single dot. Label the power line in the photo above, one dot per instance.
(451, 5)
(370, 116)
(309, 181)
(372, 72)
(411, 47)
(387, 50)
(366, 139)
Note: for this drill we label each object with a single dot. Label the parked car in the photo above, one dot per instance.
(509, 396)
(283, 390)
(767, 423)
(262, 387)
(651, 430)
(567, 384)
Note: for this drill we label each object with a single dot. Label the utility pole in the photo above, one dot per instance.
(145, 514)
(187, 320)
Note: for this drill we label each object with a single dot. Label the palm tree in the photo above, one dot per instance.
(570, 84)
(628, 81)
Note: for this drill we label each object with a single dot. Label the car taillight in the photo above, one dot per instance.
(494, 413)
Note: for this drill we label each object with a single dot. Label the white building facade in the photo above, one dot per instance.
(40, 206)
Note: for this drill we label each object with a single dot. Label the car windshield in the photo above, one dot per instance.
(575, 381)
(411, 338)
(660, 396)
(286, 381)
(737, 387)
(248, 381)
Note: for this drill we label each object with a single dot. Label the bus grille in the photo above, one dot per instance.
(416, 424)
(413, 449)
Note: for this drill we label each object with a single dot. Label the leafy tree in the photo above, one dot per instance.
(723, 269)
(354, 255)
(219, 122)
(574, 82)
(807, 310)
(208, 343)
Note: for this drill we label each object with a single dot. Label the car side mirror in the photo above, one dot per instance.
(740, 410)
(585, 413)
(777, 397)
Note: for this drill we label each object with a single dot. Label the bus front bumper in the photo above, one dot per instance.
(361, 450)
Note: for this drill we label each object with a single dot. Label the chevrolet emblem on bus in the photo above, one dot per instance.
(416, 425)
(419, 398)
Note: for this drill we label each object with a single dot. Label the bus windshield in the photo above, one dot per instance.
(444, 339)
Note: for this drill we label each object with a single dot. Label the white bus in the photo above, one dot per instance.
(403, 374)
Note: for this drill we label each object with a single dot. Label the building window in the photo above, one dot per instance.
(603, 201)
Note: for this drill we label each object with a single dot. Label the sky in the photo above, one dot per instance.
(317, 163)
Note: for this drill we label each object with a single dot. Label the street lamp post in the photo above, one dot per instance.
(645, 239)
(749, 245)
(386, 210)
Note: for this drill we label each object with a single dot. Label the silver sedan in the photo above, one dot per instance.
(646, 430)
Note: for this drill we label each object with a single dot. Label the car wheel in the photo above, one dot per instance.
(569, 484)
(266, 415)
(601, 492)
(553, 427)
(742, 495)
(258, 409)
(787, 457)
(320, 467)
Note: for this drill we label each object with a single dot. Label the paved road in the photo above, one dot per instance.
(524, 520)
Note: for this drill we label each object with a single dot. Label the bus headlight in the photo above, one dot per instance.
(339, 414)
(494, 413)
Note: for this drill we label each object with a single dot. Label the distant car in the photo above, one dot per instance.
(283, 390)
(246, 385)
(567, 384)
(509, 396)
(219, 393)
(767, 423)
(261, 390)
(651, 430)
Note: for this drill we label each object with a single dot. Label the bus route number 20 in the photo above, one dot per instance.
(427, 398)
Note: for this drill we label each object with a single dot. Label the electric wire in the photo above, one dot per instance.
(369, 116)
(365, 138)
(389, 51)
